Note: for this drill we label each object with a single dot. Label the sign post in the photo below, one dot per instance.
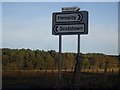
(59, 63)
(70, 21)
(76, 73)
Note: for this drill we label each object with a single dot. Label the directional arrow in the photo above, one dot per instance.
(68, 17)
(56, 28)
(79, 17)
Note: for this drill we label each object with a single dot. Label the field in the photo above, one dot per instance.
(49, 79)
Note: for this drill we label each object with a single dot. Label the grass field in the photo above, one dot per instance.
(49, 79)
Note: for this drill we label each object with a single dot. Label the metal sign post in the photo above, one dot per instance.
(76, 73)
(78, 45)
(59, 62)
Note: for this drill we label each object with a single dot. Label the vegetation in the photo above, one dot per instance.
(32, 79)
(26, 59)
(25, 68)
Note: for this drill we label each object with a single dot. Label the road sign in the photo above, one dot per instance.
(68, 17)
(64, 9)
(69, 23)
(66, 29)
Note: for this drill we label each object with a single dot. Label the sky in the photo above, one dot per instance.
(119, 28)
(0, 24)
(59, 0)
(29, 25)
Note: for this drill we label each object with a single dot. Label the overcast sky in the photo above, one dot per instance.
(29, 25)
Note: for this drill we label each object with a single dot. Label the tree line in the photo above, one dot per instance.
(27, 59)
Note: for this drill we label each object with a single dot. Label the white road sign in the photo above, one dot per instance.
(69, 28)
(68, 17)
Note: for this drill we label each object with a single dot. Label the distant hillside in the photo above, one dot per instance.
(26, 59)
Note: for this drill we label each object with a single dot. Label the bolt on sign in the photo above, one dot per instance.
(70, 23)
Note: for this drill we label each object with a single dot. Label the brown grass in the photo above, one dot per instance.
(49, 78)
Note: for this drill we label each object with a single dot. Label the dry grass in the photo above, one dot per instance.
(48, 78)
